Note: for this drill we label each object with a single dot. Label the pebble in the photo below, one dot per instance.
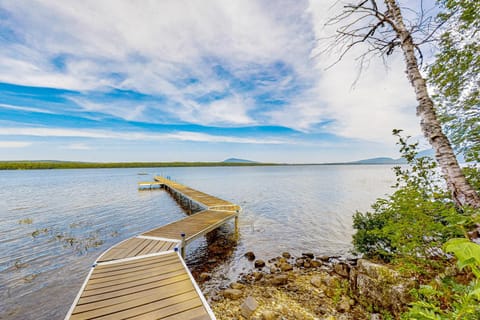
(204, 276)
(286, 255)
(269, 315)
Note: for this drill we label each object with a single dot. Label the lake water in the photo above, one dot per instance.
(54, 223)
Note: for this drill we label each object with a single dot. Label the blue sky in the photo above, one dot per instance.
(190, 81)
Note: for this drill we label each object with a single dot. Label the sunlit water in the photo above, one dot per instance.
(54, 223)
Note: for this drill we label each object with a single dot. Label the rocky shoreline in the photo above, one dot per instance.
(311, 287)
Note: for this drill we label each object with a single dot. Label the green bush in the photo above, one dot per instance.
(416, 220)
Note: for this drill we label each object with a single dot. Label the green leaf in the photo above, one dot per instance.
(467, 252)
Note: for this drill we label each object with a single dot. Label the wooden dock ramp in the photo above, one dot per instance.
(145, 277)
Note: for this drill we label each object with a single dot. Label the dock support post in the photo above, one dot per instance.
(183, 249)
(236, 226)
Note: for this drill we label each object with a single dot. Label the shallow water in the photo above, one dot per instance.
(54, 223)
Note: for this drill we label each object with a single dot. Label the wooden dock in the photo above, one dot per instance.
(145, 277)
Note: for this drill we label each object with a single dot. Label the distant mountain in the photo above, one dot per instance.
(385, 160)
(235, 160)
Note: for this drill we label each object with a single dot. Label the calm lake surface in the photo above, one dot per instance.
(54, 223)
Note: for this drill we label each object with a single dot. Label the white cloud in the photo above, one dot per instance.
(153, 44)
(133, 136)
(29, 109)
(14, 144)
(382, 98)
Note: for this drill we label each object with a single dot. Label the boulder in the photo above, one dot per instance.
(341, 268)
(381, 287)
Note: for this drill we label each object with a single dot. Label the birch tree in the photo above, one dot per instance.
(382, 27)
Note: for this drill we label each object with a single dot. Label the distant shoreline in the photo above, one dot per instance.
(42, 165)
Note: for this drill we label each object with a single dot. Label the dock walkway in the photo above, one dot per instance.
(145, 277)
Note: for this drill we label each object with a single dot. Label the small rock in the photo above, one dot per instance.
(375, 316)
(286, 267)
(204, 276)
(248, 307)
(299, 262)
(316, 281)
(250, 255)
(269, 315)
(324, 258)
(286, 255)
(307, 264)
(257, 275)
(343, 305)
(212, 261)
(279, 280)
(259, 264)
(308, 255)
(233, 294)
(315, 263)
(236, 285)
(292, 288)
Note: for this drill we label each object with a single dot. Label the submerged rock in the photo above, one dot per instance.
(250, 255)
(286, 255)
(259, 264)
(308, 255)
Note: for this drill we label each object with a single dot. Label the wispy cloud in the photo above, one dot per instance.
(134, 136)
(14, 144)
(21, 108)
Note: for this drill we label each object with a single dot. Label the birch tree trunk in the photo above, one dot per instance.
(462, 192)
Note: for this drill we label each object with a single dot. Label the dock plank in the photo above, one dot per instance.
(159, 293)
(142, 277)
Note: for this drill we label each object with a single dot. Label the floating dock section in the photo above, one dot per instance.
(145, 277)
